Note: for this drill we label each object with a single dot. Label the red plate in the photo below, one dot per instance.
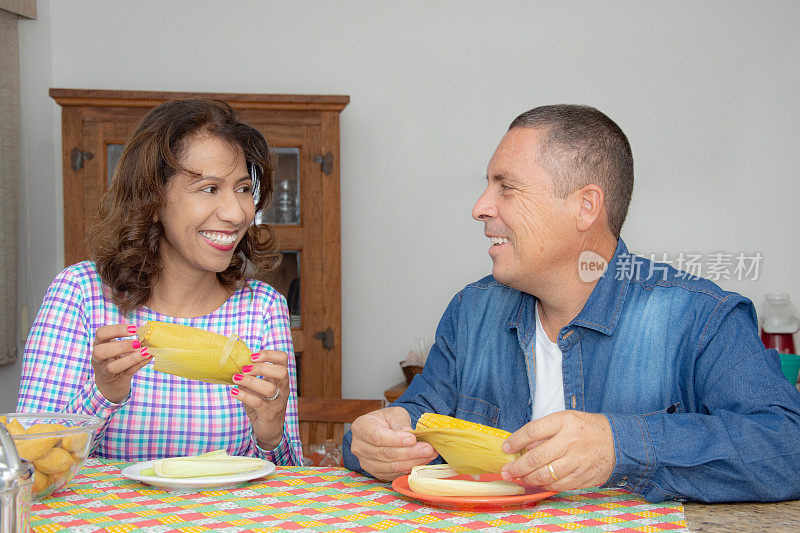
(476, 503)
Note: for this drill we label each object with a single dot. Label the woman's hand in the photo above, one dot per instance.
(264, 399)
(116, 361)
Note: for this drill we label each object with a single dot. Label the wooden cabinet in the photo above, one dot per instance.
(305, 210)
(395, 391)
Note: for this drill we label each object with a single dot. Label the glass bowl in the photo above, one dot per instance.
(56, 444)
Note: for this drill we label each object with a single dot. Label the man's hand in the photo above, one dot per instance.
(385, 446)
(577, 446)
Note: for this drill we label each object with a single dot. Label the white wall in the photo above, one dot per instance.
(706, 92)
(41, 225)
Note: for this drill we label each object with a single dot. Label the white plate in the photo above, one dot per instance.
(193, 483)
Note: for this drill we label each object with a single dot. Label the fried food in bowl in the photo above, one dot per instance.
(56, 443)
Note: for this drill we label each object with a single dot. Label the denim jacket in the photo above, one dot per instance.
(698, 408)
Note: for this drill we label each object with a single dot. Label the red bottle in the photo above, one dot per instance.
(783, 342)
(780, 323)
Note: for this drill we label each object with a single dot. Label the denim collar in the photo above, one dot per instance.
(601, 311)
(604, 306)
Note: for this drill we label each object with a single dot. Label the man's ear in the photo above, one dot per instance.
(590, 201)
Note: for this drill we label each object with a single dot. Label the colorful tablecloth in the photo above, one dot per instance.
(321, 499)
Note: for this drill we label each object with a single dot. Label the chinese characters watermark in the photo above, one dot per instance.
(716, 266)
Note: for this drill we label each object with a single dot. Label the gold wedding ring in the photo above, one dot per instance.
(552, 472)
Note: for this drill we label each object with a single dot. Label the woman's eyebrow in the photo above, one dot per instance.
(195, 178)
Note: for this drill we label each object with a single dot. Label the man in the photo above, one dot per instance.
(642, 377)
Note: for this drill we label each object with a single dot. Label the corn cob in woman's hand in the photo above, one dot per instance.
(194, 353)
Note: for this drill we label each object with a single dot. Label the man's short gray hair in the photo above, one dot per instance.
(581, 146)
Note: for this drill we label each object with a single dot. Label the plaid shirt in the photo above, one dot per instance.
(165, 415)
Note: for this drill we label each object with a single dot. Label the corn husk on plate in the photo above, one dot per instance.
(194, 353)
(476, 498)
(199, 472)
(469, 448)
(216, 463)
(471, 480)
(442, 480)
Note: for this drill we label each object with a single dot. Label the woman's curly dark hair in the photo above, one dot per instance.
(124, 240)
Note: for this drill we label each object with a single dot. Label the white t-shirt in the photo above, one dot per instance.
(548, 397)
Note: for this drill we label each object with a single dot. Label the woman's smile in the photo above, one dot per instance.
(221, 240)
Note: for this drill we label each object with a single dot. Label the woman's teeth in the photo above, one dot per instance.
(224, 239)
(498, 240)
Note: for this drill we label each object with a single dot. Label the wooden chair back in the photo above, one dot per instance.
(324, 418)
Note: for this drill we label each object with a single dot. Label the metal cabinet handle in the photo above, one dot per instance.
(326, 337)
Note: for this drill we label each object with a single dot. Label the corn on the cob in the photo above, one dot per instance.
(217, 463)
(431, 479)
(468, 447)
(194, 353)
(437, 421)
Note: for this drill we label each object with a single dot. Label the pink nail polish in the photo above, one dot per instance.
(254, 357)
(238, 377)
(235, 392)
(143, 352)
(136, 344)
(131, 329)
(247, 368)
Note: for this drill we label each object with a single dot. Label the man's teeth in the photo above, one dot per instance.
(224, 239)
(498, 240)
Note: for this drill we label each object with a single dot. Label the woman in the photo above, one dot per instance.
(171, 243)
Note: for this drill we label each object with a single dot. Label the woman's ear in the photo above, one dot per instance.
(590, 205)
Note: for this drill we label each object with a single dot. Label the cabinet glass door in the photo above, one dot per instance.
(284, 210)
(286, 280)
(113, 151)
